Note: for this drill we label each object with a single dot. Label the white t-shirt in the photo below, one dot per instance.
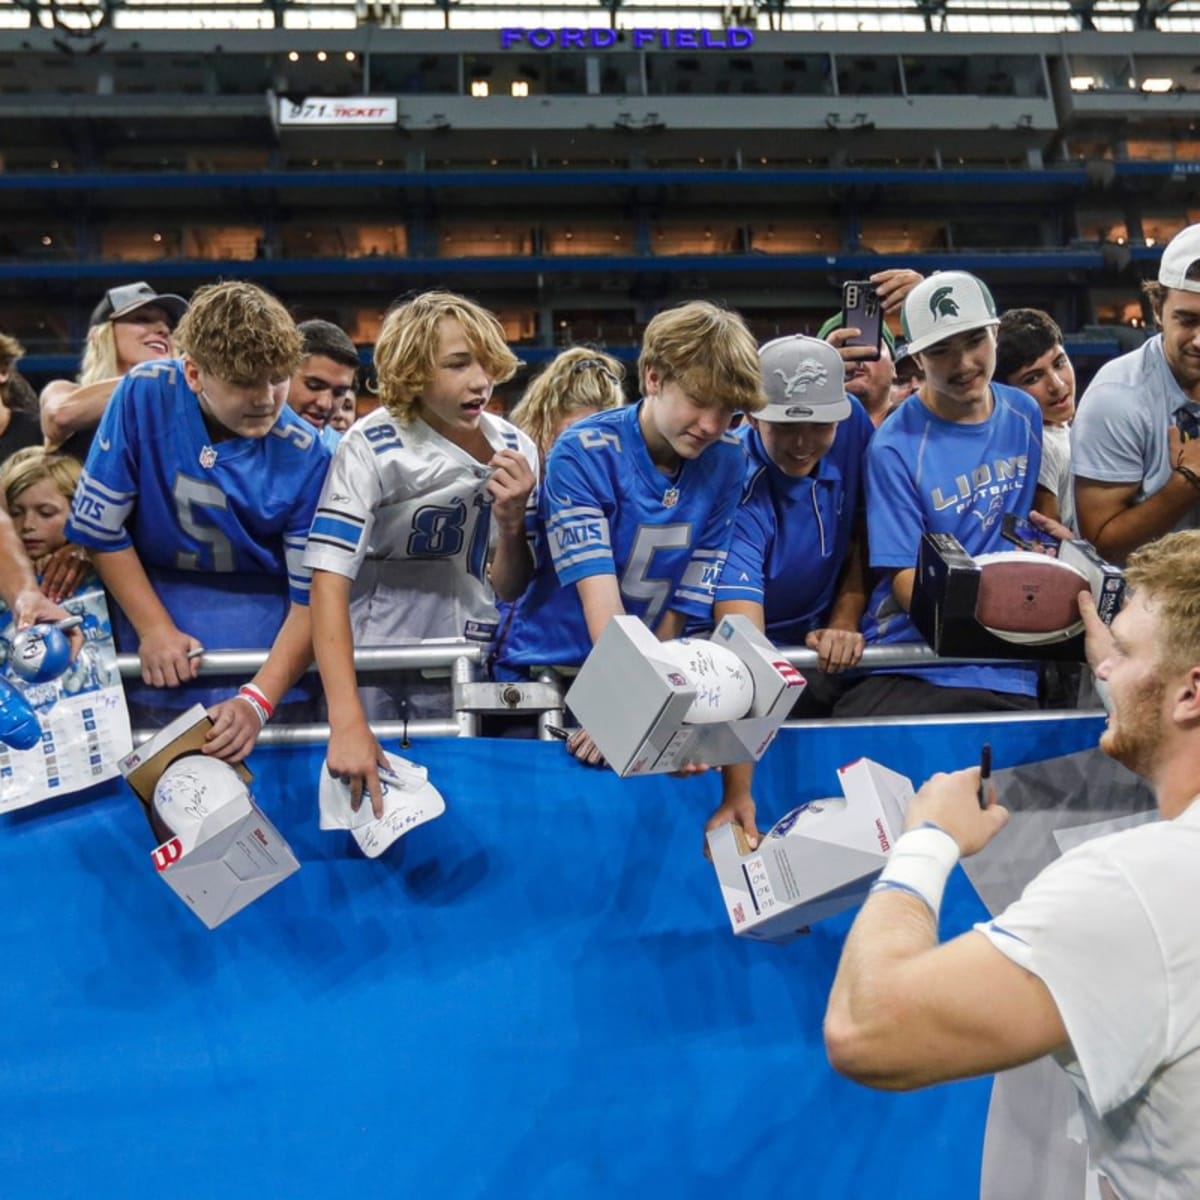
(1110, 929)
(1120, 432)
(1055, 475)
(406, 514)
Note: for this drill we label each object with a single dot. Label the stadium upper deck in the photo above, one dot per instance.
(577, 174)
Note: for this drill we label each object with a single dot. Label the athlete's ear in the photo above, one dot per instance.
(652, 384)
(1187, 697)
(191, 374)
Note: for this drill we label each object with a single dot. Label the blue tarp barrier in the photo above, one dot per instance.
(536, 995)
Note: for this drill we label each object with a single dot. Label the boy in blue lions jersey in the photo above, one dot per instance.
(638, 505)
(953, 458)
(196, 500)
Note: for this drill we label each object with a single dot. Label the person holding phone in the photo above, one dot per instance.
(860, 334)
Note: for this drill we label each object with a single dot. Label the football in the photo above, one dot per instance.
(1028, 598)
(724, 687)
(191, 789)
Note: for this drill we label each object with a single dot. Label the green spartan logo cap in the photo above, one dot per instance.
(947, 303)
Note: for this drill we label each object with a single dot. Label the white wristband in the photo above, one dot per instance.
(920, 863)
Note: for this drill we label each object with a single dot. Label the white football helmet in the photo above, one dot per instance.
(190, 790)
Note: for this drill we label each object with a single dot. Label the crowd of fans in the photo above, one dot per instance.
(235, 485)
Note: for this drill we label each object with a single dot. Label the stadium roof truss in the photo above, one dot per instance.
(86, 17)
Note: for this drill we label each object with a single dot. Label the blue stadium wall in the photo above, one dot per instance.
(535, 996)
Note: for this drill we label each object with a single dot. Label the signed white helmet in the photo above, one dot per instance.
(190, 790)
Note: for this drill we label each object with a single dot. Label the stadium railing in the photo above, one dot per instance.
(541, 698)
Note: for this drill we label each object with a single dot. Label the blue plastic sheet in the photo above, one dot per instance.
(536, 995)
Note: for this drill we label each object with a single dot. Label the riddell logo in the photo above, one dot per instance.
(881, 834)
(166, 854)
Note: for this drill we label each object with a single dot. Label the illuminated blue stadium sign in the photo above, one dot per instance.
(636, 39)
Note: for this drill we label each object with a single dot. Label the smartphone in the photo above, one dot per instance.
(861, 310)
(1025, 534)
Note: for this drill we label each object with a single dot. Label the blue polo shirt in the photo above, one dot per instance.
(791, 536)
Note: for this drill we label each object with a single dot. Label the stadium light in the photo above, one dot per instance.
(520, 87)
(1157, 85)
(479, 87)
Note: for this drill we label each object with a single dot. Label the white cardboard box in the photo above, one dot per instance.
(817, 861)
(632, 702)
(237, 857)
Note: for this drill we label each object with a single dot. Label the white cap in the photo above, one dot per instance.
(409, 800)
(804, 380)
(945, 304)
(1181, 254)
(190, 790)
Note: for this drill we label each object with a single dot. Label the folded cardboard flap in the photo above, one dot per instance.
(817, 861)
(633, 702)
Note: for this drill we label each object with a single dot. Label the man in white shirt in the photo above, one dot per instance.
(1135, 453)
(1096, 964)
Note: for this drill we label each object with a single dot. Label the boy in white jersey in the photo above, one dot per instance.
(421, 524)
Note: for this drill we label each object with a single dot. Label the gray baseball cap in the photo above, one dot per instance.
(804, 380)
(129, 297)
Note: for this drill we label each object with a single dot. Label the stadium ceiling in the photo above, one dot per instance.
(83, 17)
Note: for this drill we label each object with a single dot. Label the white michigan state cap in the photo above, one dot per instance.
(804, 380)
(946, 303)
(1179, 258)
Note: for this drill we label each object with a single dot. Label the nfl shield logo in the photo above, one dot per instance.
(670, 497)
(208, 456)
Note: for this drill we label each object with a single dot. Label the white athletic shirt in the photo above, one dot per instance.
(406, 514)
(1111, 930)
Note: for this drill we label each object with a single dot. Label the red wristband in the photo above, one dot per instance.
(250, 692)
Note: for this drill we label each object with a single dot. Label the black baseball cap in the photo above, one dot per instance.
(129, 297)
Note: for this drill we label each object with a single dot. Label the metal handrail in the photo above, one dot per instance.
(462, 658)
(446, 654)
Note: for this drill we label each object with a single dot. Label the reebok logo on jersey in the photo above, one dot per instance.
(943, 304)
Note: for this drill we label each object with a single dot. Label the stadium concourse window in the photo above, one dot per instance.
(1163, 149)
(596, 327)
(39, 332)
(793, 237)
(902, 236)
(36, 241)
(520, 325)
(1116, 309)
(414, 74)
(591, 238)
(975, 75)
(240, 242)
(873, 76)
(486, 240)
(1101, 227)
(1158, 228)
(308, 240)
(697, 237)
(139, 245)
